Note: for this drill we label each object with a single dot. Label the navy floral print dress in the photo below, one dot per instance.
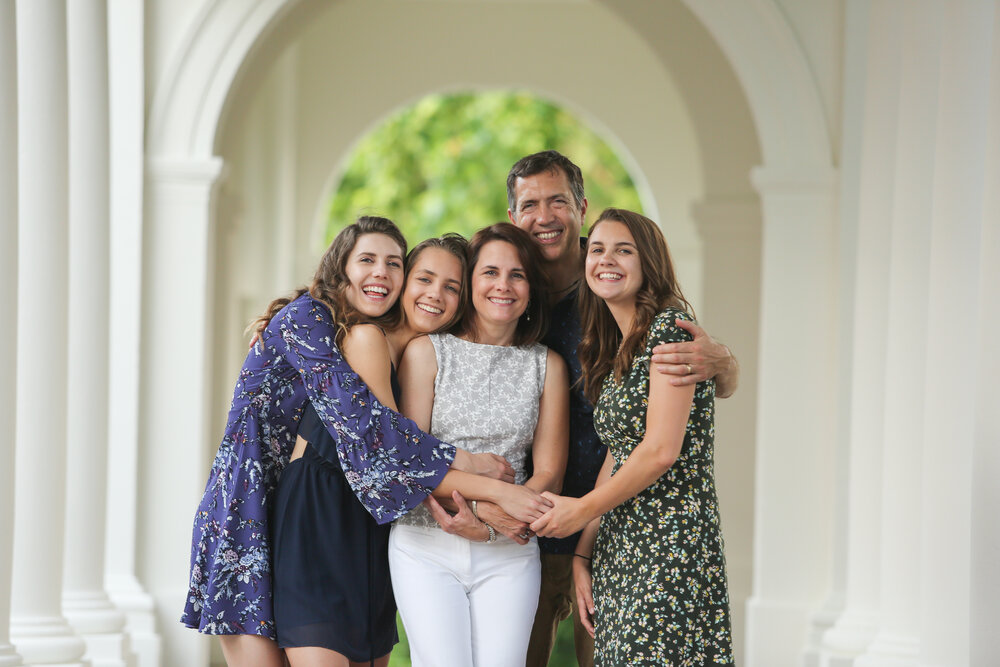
(390, 464)
(659, 570)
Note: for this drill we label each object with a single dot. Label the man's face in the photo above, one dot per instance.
(545, 208)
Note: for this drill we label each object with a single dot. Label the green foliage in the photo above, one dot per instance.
(441, 164)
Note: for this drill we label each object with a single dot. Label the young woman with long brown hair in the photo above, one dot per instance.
(657, 592)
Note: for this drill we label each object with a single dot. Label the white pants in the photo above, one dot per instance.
(464, 604)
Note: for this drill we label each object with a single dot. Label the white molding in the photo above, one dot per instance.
(774, 72)
(189, 99)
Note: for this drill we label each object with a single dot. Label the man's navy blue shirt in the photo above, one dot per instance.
(586, 452)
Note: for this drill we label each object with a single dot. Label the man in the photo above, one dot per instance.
(545, 198)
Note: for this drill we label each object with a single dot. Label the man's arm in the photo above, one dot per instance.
(698, 360)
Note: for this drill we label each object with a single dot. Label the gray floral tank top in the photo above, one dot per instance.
(485, 400)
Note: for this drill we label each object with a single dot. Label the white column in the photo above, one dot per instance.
(959, 188)
(126, 77)
(797, 411)
(38, 628)
(898, 639)
(178, 278)
(730, 230)
(872, 188)
(85, 603)
(8, 304)
(986, 435)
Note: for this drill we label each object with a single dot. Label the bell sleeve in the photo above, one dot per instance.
(389, 462)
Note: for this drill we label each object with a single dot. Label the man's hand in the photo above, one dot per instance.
(697, 360)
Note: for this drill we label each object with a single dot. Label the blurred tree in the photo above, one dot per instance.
(441, 164)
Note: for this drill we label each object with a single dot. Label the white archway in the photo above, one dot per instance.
(795, 181)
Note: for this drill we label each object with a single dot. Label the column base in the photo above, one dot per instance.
(91, 613)
(46, 640)
(775, 632)
(822, 621)
(891, 650)
(8, 656)
(850, 637)
(140, 619)
(109, 650)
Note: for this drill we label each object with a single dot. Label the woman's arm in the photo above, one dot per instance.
(367, 351)
(652, 457)
(550, 448)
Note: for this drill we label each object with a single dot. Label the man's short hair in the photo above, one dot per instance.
(541, 162)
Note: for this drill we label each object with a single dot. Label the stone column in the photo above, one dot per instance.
(8, 304)
(898, 639)
(872, 190)
(38, 628)
(959, 188)
(175, 443)
(85, 603)
(126, 77)
(797, 411)
(730, 230)
(986, 455)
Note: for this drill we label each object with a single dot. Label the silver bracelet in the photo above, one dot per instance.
(493, 534)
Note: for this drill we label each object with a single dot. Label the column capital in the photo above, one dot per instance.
(722, 217)
(794, 179)
(184, 170)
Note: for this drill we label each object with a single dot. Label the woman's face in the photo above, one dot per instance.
(613, 270)
(375, 271)
(433, 289)
(500, 290)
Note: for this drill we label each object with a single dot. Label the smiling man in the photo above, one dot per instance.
(545, 198)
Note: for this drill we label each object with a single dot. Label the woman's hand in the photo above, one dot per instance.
(522, 503)
(464, 523)
(493, 466)
(584, 582)
(489, 465)
(567, 516)
(503, 523)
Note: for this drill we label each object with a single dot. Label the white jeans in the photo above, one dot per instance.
(464, 604)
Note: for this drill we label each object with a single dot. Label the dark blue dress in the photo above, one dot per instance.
(331, 566)
(389, 463)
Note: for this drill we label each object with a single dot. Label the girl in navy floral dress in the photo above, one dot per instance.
(391, 465)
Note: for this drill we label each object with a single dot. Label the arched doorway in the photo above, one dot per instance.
(668, 126)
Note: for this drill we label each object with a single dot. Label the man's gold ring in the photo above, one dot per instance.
(690, 370)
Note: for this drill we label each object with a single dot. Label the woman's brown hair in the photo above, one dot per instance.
(533, 324)
(456, 245)
(329, 284)
(602, 349)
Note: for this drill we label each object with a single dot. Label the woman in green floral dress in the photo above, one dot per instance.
(659, 594)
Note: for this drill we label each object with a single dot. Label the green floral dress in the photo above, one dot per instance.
(659, 570)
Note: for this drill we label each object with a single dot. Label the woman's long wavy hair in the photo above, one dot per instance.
(533, 324)
(329, 284)
(456, 245)
(602, 349)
